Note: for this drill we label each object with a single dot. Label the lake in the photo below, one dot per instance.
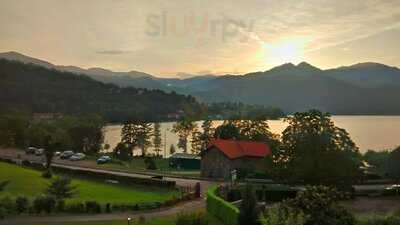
(368, 132)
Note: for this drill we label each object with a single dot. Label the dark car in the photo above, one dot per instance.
(66, 154)
(104, 159)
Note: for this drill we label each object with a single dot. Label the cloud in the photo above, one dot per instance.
(113, 52)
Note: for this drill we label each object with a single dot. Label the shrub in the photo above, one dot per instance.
(8, 204)
(21, 204)
(92, 207)
(3, 184)
(75, 208)
(319, 205)
(393, 220)
(282, 215)
(277, 193)
(191, 219)
(3, 212)
(61, 188)
(47, 174)
(248, 214)
(60, 205)
(150, 164)
(221, 209)
(44, 203)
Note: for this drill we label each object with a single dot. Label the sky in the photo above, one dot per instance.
(166, 38)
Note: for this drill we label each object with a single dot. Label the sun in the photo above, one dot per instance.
(285, 51)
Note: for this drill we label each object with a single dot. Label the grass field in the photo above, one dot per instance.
(29, 183)
(137, 165)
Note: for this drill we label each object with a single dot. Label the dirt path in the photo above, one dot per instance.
(185, 207)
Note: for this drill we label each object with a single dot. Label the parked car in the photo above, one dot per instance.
(103, 159)
(30, 150)
(66, 154)
(39, 152)
(77, 157)
(57, 153)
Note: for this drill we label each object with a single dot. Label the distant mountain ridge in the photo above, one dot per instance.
(363, 88)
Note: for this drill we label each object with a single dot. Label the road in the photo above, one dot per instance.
(183, 182)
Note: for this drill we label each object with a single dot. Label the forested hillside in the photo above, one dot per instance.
(34, 88)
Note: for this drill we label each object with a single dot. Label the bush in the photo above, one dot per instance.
(393, 220)
(3, 212)
(248, 213)
(75, 208)
(282, 215)
(319, 205)
(191, 219)
(47, 174)
(21, 204)
(92, 207)
(221, 209)
(3, 184)
(44, 203)
(8, 204)
(277, 193)
(150, 164)
(60, 205)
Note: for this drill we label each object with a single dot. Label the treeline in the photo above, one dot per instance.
(83, 134)
(239, 110)
(31, 88)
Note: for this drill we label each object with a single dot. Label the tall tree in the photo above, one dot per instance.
(313, 149)
(157, 141)
(201, 140)
(137, 134)
(144, 134)
(184, 129)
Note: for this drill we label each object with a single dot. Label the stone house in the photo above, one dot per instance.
(223, 156)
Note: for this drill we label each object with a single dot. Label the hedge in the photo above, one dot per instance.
(221, 209)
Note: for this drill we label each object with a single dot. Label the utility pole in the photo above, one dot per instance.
(165, 143)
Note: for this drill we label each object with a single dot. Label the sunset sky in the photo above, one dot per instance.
(198, 36)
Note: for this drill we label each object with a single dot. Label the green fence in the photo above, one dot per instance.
(221, 209)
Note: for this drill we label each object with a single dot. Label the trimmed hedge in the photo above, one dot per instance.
(221, 209)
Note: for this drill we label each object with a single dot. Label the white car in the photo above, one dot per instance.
(77, 157)
(39, 151)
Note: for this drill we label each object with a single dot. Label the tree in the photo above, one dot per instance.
(184, 129)
(144, 135)
(137, 134)
(393, 164)
(87, 134)
(248, 214)
(201, 140)
(227, 131)
(312, 149)
(61, 188)
(157, 141)
(122, 151)
(172, 149)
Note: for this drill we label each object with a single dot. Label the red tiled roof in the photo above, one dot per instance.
(236, 149)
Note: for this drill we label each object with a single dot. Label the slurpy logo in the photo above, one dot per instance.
(201, 27)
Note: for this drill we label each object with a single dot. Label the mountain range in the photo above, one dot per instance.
(364, 88)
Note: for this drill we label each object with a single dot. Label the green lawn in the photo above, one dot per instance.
(29, 183)
(137, 165)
